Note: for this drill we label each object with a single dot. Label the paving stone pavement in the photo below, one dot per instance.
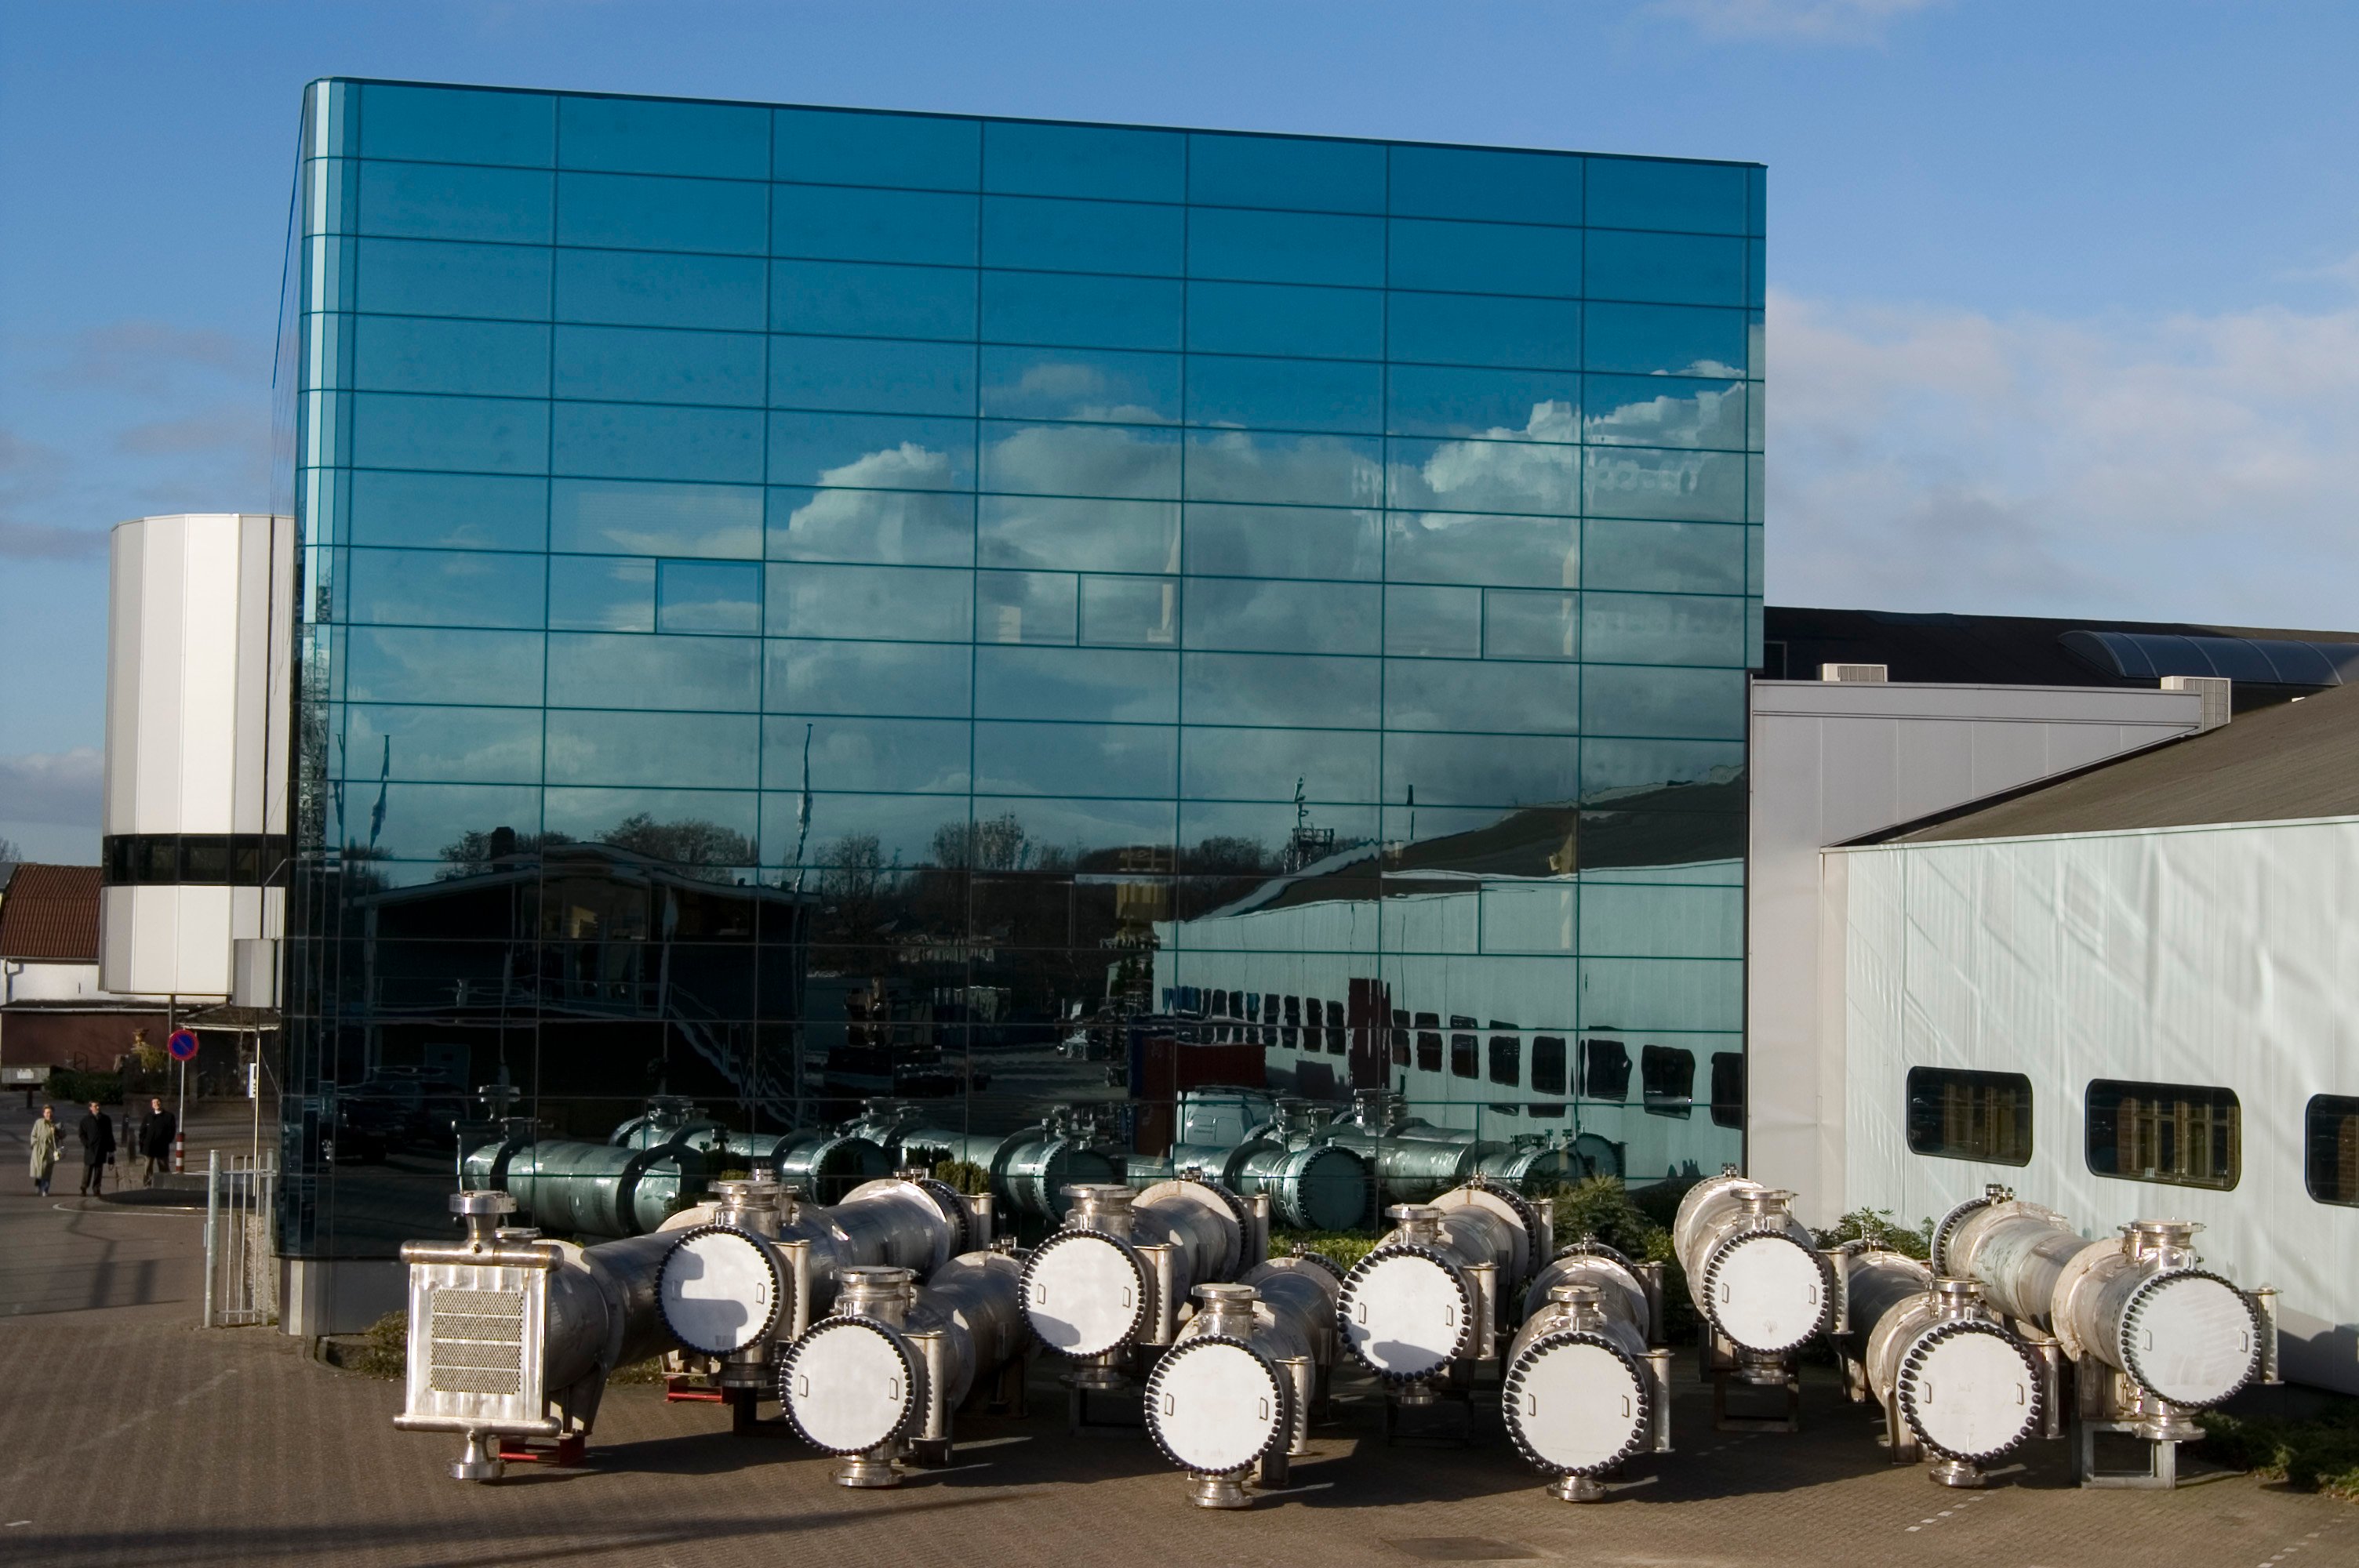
(142, 1443)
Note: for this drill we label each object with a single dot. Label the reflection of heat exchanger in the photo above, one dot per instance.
(1427, 1305)
(880, 1379)
(1117, 1276)
(742, 1288)
(825, 1164)
(1763, 1286)
(589, 1189)
(2151, 1334)
(1031, 1169)
(1586, 1386)
(1416, 1161)
(1312, 1183)
(1237, 1390)
(1952, 1381)
(513, 1337)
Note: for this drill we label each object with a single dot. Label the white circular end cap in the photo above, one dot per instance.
(1973, 1396)
(1404, 1315)
(1576, 1406)
(848, 1389)
(2190, 1338)
(1084, 1294)
(1768, 1293)
(718, 1291)
(1215, 1406)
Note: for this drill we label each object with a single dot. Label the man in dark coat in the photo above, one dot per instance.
(97, 1134)
(156, 1140)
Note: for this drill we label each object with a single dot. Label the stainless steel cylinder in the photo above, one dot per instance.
(590, 1189)
(1030, 1169)
(1584, 1390)
(1435, 1289)
(1754, 1270)
(1942, 1364)
(1237, 1385)
(1114, 1275)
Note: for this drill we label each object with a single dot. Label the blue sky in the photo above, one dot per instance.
(2065, 313)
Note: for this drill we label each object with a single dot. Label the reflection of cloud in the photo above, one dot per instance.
(907, 466)
(55, 788)
(1697, 417)
(1082, 460)
(1822, 21)
(1490, 476)
(2195, 466)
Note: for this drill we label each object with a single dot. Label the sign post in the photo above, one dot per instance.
(183, 1047)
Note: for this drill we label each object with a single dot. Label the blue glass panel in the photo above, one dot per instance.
(872, 376)
(1081, 460)
(613, 516)
(1620, 767)
(1244, 616)
(639, 135)
(1757, 183)
(1482, 476)
(1471, 328)
(495, 669)
(708, 596)
(396, 353)
(926, 756)
(1662, 629)
(1476, 182)
(1084, 160)
(1264, 765)
(444, 124)
(420, 822)
(1081, 236)
(1084, 311)
(850, 148)
(1273, 319)
(1074, 831)
(1543, 699)
(1134, 759)
(635, 364)
(843, 224)
(1127, 686)
(863, 449)
(1525, 625)
(916, 679)
(483, 435)
(1757, 274)
(1467, 547)
(644, 213)
(1080, 383)
(1504, 770)
(1289, 690)
(888, 603)
(450, 512)
(433, 278)
(709, 751)
(704, 826)
(1666, 340)
(863, 831)
(1077, 534)
(1245, 465)
(1285, 395)
(1697, 487)
(1139, 612)
(717, 674)
(1026, 607)
(888, 528)
(601, 593)
(1675, 269)
(872, 301)
(1485, 258)
(439, 588)
(1433, 623)
(1654, 193)
(1284, 542)
(1285, 171)
(1524, 406)
(441, 745)
(1656, 411)
(445, 201)
(1656, 700)
(619, 440)
(659, 290)
(1287, 247)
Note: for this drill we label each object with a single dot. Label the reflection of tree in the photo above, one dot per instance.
(996, 845)
(705, 848)
(475, 849)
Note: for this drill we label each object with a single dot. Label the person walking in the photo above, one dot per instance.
(97, 1134)
(155, 1140)
(45, 1149)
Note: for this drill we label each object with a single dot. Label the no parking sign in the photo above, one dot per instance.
(182, 1044)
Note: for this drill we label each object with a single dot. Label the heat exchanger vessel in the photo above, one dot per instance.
(1764, 1288)
(1587, 1386)
(1952, 1381)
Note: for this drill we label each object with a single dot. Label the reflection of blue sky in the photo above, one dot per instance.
(453, 745)
(387, 664)
(682, 750)
(883, 526)
(919, 755)
(627, 518)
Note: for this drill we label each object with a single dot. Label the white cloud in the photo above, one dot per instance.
(55, 788)
(1833, 21)
(2196, 466)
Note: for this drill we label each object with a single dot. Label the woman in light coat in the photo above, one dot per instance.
(45, 1149)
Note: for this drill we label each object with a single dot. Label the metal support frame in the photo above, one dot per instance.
(1725, 1366)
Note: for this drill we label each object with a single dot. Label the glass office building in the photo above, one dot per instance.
(802, 605)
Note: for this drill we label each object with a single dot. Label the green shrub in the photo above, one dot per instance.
(963, 1176)
(69, 1088)
(1879, 1228)
(384, 1349)
(1341, 1248)
(1602, 1208)
(2317, 1455)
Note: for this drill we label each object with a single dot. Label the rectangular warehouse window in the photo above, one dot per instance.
(1428, 1043)
(1728, 1088)
(1400, 1037)
(1958, 1115)
(1604, 1071)
(1547, 1064)
(1464, 1057)
(2331, 1133)
(1338, 1039)
(1506, 1057)
(1668, 1077)
(2181, 1135)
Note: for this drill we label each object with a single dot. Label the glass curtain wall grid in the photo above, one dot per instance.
(806, 605)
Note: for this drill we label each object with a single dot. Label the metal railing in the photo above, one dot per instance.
(241, 1273)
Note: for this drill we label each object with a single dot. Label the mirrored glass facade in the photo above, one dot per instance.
(801, 606)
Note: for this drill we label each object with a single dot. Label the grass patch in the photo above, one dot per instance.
(2317, 1455)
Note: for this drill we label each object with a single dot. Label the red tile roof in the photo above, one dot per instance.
(50, 912)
